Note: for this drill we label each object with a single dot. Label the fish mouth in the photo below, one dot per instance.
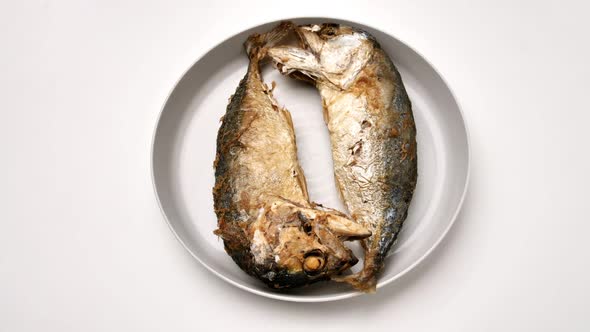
(350, 262)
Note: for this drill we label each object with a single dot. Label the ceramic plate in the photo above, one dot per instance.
(185, 141)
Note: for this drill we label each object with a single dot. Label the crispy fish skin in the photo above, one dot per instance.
(265, 219)
(372, 131)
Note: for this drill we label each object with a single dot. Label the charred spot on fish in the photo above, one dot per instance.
(286, 279)
(329, 30)
(365, 82)
(393, 132)
(244, 201)
(365, 124)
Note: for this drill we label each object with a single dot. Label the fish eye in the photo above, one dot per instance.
(313, 262)
(313, 265)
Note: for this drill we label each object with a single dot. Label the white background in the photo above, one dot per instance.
(83, 246)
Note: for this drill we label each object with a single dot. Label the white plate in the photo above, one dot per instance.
(184, 150)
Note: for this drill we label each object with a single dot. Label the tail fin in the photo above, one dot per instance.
(365, 280)
(258, 44)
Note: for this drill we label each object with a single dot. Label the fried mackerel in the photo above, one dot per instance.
(265, 219)
(372, 130)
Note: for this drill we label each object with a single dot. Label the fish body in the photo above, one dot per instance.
(371, 126)
(265, 219)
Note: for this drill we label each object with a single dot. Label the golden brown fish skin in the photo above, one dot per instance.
(265, 219)
(372, 132)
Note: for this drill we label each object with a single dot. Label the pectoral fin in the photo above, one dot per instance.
(345, 228)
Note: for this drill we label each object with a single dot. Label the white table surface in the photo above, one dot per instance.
(83, 246)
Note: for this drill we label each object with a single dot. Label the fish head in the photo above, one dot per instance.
(330, 54)
(293, 246)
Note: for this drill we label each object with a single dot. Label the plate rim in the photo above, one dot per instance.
(313, 298)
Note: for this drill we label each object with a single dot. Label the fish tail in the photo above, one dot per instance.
(362, 281)
(258, 44)
(365, 280)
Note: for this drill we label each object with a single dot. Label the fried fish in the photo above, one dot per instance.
(372, 130)
(265, 219)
